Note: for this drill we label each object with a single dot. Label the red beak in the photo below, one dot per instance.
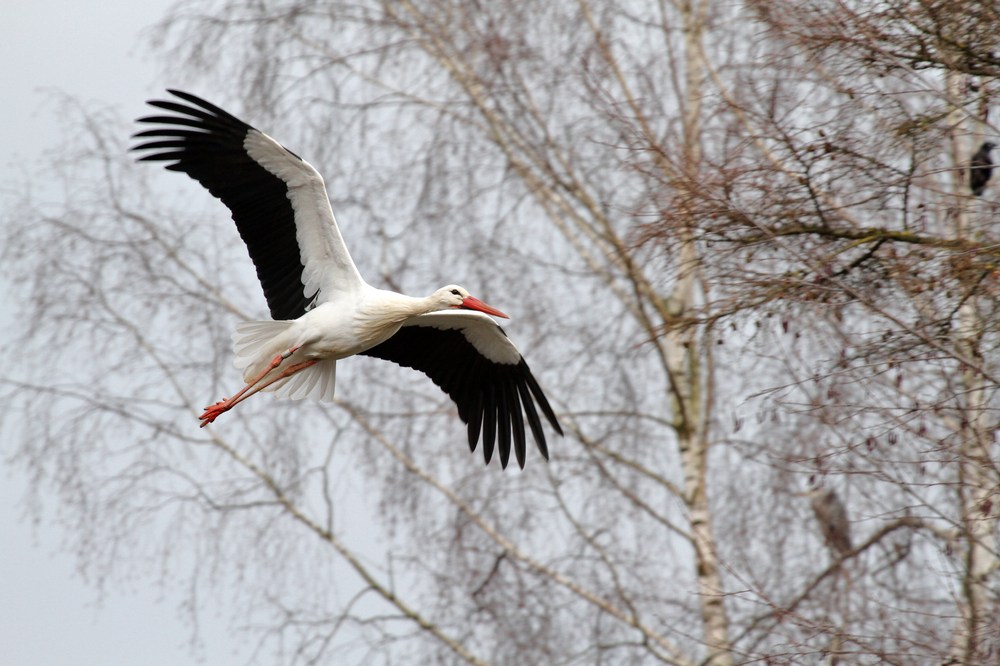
(472, 303)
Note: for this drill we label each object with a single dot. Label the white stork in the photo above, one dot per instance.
(323, 309)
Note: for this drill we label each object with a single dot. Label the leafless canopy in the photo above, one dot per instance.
(739, 244)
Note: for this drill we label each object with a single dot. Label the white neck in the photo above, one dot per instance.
(394, 307)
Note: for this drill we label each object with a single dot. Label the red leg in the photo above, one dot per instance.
(275, 362)
(213, 412)
(227, 403)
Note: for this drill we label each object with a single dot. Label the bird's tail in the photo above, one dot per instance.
(255, 343)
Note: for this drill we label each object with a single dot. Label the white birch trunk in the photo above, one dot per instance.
(977, 487)
(686, 361)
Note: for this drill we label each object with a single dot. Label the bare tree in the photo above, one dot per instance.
(742, 248)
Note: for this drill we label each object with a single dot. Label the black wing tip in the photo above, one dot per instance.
(506, 410)
(516, 420)
(189, 105)
(192, 109)
(540, 398)
(501, 443)
(176, 92)
(181, 94)
(503, 425)
(543, 448)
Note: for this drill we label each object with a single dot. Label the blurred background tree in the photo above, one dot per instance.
(742, 253)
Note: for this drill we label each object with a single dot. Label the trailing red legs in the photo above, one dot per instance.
(212, 412)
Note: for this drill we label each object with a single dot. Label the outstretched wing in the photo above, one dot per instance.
(473, 361)
(278, 200)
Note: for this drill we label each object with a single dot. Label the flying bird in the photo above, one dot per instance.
(980, 168)
(322, 309)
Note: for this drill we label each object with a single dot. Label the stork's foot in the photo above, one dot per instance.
(213, 411)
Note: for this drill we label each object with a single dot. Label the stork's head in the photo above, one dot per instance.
(457, 297)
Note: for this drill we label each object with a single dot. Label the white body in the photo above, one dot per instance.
(347, 326)
(351, 315)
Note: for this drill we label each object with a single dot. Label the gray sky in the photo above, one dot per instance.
(48, 615)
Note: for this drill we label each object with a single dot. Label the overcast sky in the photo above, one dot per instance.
(48, 615)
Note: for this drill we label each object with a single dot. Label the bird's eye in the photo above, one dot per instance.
(456, 292)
